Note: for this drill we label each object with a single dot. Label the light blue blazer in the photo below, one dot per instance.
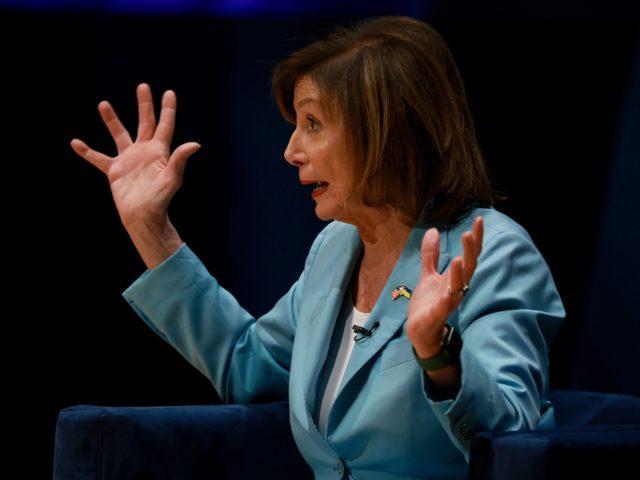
(385, 423)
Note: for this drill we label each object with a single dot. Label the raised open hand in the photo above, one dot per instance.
(436, 296)
(145, 175)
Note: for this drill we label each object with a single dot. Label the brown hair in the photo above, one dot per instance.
(396, 87)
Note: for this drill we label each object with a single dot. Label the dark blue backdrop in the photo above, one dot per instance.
(556, 103)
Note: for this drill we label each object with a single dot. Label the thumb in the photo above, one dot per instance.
(179, 157)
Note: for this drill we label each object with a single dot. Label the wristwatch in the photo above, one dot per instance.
(449, 355)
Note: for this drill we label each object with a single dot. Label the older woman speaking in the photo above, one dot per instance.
(422, 314)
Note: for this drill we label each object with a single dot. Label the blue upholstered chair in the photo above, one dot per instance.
(598, 436)
(176, 442)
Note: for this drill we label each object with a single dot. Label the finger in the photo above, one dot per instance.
(97, 159)
(179, 157)
(472, 246)
(167, 121)
(146, 115)
(119, 134)
(478, 234)
(469, 257)
(456, 282)
(430, 250)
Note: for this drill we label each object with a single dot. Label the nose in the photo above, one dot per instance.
(294, 154)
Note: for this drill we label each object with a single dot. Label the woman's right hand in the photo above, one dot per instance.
(145, 175)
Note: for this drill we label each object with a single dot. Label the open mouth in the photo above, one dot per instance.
(319, 188)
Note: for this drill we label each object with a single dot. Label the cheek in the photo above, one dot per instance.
(344, 194)
(342, 174)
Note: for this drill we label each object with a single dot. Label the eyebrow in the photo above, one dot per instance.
(306, 100)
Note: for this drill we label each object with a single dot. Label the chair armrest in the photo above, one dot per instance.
(596, 451)
(176, 442)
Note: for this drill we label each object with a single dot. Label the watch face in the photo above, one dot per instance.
(453, 344)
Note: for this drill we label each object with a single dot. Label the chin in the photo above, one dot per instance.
(329, 210)
(322, 214)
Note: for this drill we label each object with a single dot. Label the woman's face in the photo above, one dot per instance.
(319, 150)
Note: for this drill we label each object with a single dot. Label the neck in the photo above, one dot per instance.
(383, 230)
(383, 233)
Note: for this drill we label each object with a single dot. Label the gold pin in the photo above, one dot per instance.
(401, 291)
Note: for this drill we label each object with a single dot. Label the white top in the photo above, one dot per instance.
(347, 342)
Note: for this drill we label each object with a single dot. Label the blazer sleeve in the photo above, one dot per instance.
(246, 359)
(507, 320)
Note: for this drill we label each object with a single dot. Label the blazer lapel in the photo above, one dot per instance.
(325, 314)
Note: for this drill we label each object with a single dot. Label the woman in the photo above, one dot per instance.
(452, 305)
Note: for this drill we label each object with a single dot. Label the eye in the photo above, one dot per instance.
(312, 124)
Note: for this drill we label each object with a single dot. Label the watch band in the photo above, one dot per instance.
(449, 354)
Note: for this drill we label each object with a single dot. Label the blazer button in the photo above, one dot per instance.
(341, 468)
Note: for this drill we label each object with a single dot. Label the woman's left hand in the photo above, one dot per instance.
(437, 296)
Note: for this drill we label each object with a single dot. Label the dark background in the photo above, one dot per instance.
(554, 89)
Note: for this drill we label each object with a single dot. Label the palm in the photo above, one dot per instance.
(434, 299)
(431, 298)
(140, 179)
